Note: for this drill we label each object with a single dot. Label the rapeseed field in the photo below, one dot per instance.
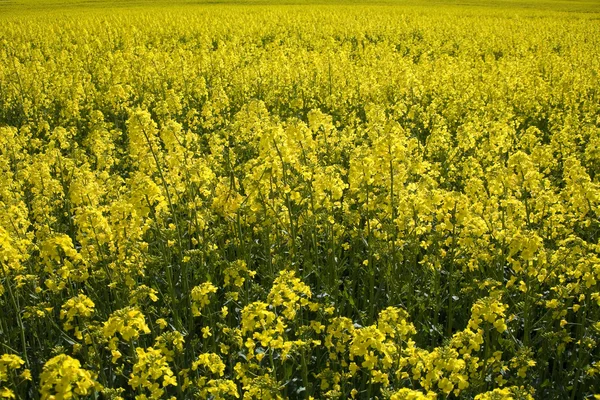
(393, 200)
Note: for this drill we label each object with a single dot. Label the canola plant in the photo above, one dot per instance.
(303, 201)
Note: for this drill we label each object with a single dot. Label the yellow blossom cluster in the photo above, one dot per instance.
(9, 364)
(63, 378)
(152, 373)
(200, 297)
(75, 311)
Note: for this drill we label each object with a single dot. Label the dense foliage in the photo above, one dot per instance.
(294, 202)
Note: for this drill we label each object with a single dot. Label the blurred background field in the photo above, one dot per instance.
(8, 7)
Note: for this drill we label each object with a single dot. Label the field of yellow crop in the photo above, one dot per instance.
(397, 200)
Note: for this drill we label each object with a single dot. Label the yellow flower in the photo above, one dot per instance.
(563, 322)
(162, 323)
(116, 354)
(212, 362)
(63, 377)
(206, 332)
(200, 297)
(77, 307)
(129, 322)
(26, 374)
(151, 371)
